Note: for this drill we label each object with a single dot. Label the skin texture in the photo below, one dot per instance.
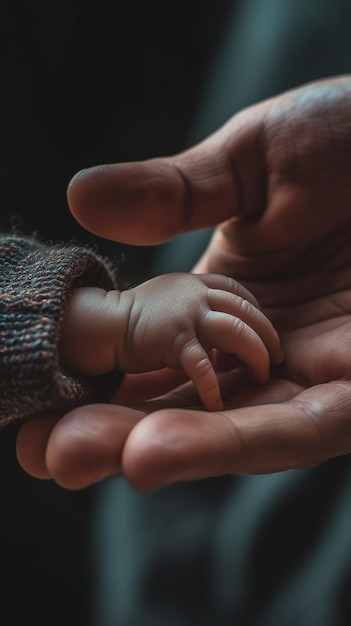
(170, 321)
(276, 180)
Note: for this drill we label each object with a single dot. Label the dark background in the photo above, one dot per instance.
(93, 82)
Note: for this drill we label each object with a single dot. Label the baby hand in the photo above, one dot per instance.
(172, 321)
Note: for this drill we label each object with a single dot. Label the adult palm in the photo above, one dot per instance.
(276, 178)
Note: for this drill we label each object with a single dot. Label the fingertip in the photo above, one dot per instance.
(31, 444)
(86, 446)
(259, 376)
(208, 389)
(83, 195)
(73, 188)
(213, 401)
(75, 180)
(139, 203)
(150, 455)
(76, 456)
(173, 445)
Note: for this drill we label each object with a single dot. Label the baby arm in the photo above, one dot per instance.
(172, 321)
(36, 281)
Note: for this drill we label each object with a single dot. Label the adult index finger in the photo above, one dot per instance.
(296, 431)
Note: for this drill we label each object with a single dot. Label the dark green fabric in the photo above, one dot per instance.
(244, 551)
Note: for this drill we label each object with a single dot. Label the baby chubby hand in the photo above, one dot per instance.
(172, 321)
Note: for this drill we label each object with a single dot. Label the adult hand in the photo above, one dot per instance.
(276, 178)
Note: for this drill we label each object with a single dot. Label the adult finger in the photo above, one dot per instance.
(34, 434)
(149, 202)
(86, 445)
(302, 430)
(32, 440)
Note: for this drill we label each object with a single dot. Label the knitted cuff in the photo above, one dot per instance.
(35, 282)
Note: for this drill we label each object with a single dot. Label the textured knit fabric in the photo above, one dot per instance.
(35, 282)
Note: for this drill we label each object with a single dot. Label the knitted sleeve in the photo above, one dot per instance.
(35, 282)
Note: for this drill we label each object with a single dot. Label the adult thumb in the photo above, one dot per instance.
(149, 202)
